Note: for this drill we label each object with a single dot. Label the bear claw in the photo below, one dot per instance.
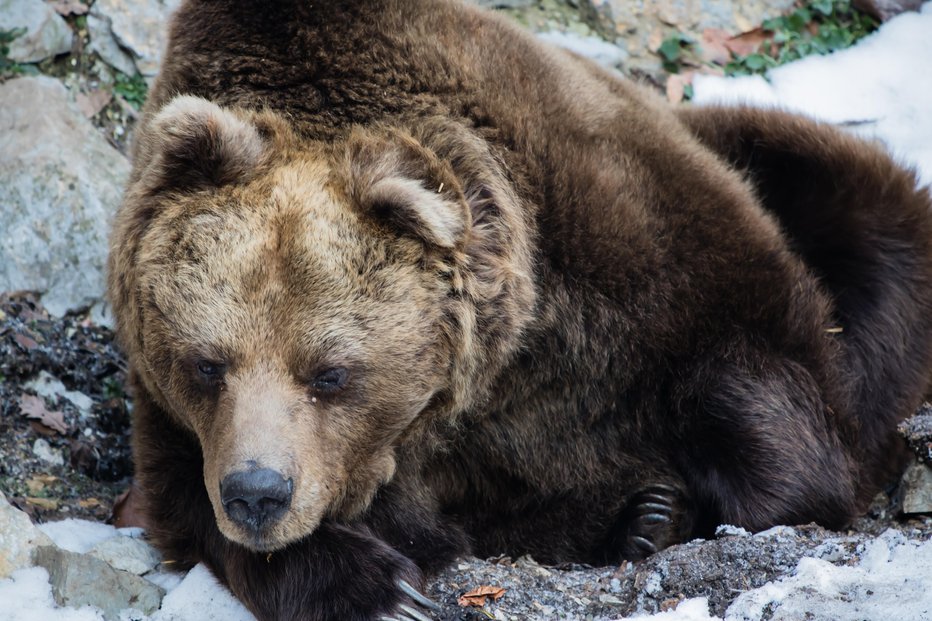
(653, 514)
(409, 613)
(417, 596)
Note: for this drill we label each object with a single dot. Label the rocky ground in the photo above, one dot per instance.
(71, 82)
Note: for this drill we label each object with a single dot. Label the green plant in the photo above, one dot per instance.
(131, 88)
(112, 388)
(673, 50)
(7, 66)
(819, 27)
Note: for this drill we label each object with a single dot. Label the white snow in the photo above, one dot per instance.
(598, 50)
(880, 88)
(27, 596)
(197, 596)
(78, 535)
(885, 81)
(200, 597)
(696, 609)
(892, 581)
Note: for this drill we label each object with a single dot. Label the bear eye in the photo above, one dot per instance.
(330, 381)
(210, 371)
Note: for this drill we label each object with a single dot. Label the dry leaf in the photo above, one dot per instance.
(39, 482)
(25, 342)
(670, 604)
(127, 509)
(34, 408)
(47, 504)
(713, 47)
(748, 42)
(478, 597)
(41, 429)
(676, 86)
(93, 102)
(90, 503)
(69, 7)
(655, 40)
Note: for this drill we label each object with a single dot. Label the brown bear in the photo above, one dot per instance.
(398, 282)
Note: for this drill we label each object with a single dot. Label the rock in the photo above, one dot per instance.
(918, 432)
(80, 579)
(106, 46)
(127, 553)
(18, 539)
(60, 183)
(140, 27)
(598, 50)
(718, 570)
(886, 9)
(47, 386)
(916, 489)
(641, 27)
(47, 34)
(44, 451)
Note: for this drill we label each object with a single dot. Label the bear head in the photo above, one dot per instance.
(311, 309)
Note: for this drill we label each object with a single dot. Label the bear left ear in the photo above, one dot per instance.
(194, 143)
(397, 181)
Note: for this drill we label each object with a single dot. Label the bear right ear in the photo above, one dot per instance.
(401, 183)
(194, 143)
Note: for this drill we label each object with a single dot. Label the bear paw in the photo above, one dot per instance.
(653, 514)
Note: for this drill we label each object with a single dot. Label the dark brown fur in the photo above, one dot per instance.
(578, 324)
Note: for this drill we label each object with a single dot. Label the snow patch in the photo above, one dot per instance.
(696, 609)
(78, 535)
(594, 48)
(199, 597)
(27, 596)
(880, 88)
(892, 576)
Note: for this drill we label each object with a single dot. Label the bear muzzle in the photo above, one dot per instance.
(257, 498)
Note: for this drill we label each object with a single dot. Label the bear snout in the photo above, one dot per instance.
(257, 498)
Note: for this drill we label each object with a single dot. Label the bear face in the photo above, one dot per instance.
(297, 309)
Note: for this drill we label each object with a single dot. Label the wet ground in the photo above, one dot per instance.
(60, 459)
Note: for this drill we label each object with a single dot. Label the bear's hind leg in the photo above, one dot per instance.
(864, 228)
(760, 449)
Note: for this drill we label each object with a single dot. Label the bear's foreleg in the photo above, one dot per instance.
(340, 572)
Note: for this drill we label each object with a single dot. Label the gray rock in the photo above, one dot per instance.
(140, 27)
(46, 385)
(60, 184)
(127, 553)
(44, 451)
(46, 34)
(600, 51)
(918, 432)
(719, 569)
(916, 488)
(18, 539)
(80, 579)
(642, 26)
(104, 43)
(886, 9)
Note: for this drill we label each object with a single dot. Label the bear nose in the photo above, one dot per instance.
(255, 498)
